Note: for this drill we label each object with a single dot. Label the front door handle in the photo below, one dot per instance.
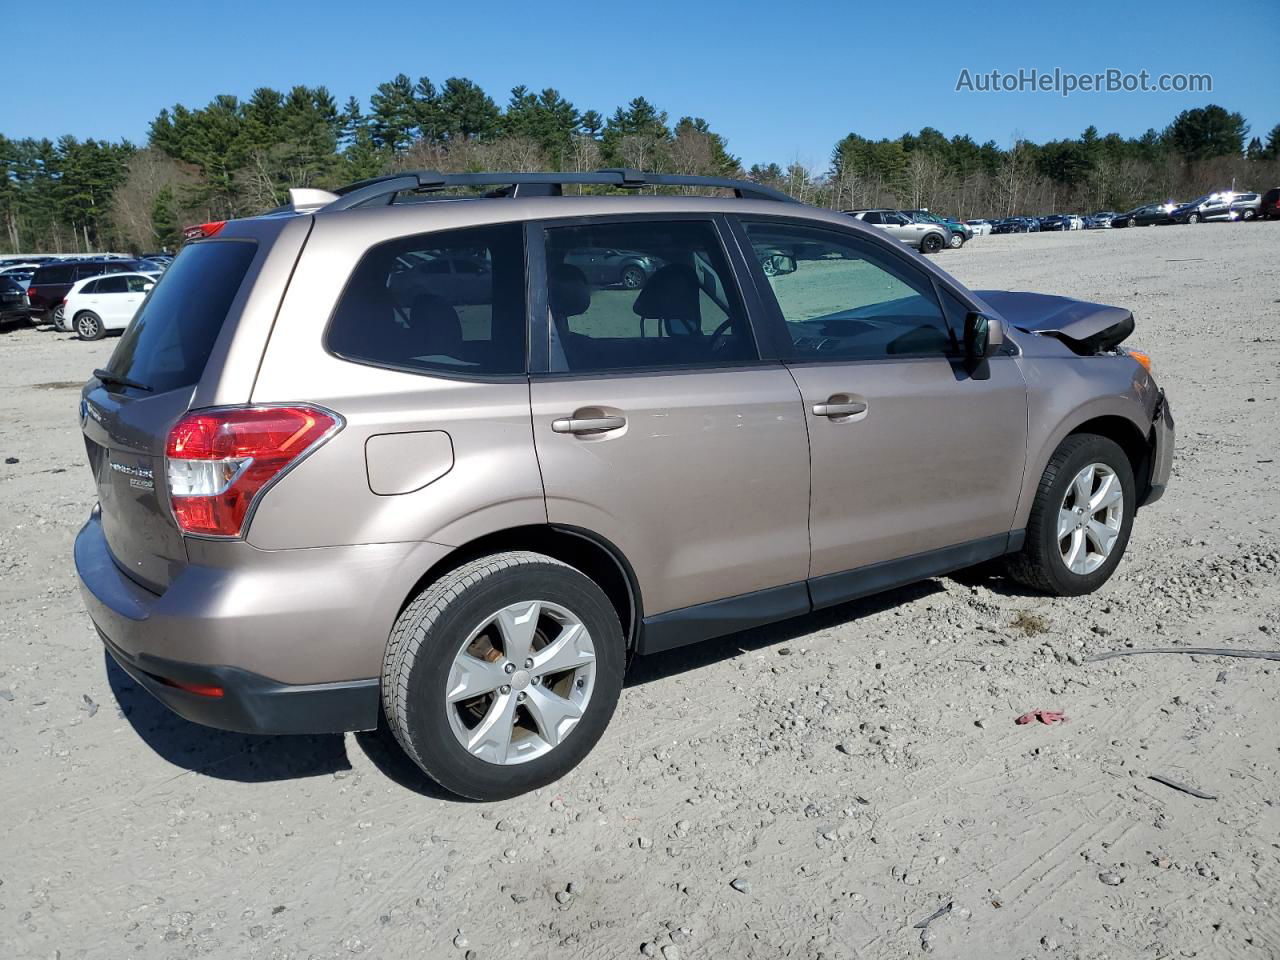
(587, 424)
(848, 409)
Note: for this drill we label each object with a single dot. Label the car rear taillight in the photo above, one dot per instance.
(219, 462)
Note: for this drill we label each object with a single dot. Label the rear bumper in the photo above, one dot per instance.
(250, 703)
(295, 638)
(1161, 450)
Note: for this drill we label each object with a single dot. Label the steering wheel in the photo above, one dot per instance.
(714, 343)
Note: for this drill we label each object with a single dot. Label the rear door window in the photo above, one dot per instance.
(449, 302)
(643, 293)
(172, 335)
(112, 285)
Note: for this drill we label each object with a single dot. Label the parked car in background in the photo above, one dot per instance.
(1100, 220)
(1269, 204)
(960, 234)
(1016, 225)
(1144, 216)
(14, 306)
(927, 237)
(316, 516)
(1212, 206)
(94, 306)
(52, 282)
(1244, 206)
(980, 228)
(1056, 221)
(607, 267)
(21, 273)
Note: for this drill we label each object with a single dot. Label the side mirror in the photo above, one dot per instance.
(783, 263)
(982, 336)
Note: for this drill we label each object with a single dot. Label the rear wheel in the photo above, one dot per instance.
(88, 325)
(59, 318)
(1247, 214)
(1080, 519)
(957, 241)
(932, 243)
(502, 675)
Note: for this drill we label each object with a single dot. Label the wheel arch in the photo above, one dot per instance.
(1124, 430)
(582, 549)
(1130, 438)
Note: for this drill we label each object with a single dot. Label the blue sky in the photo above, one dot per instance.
(782, 80)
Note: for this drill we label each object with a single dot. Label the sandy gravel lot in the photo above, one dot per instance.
(853, 771)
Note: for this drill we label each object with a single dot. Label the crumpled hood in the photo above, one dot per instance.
(1086, 327)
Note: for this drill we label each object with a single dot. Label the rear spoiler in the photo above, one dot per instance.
(1087, 328)
(301, 200)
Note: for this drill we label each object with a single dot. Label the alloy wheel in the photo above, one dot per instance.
(87, 327)
(520, 682)
(1089, 518)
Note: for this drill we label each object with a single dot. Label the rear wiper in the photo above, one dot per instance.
(106, 376)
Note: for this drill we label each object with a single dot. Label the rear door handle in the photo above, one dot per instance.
(587, 424)
(839, 409)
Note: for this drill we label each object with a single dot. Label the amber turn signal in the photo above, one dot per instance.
(1142, 358)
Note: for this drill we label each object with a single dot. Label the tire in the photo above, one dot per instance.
(957, 241)
(632, 278)
(1247, 214)
(88, 325)
(59, 319)
(1193, 218)
(1132, 222)
(932, 243)
(1041, 564)
(435, 632)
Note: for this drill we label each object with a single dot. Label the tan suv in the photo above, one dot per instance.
(404, 449)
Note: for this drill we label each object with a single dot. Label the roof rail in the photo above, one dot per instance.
(383, 190)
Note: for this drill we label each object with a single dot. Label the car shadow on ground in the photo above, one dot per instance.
(220, 753)
(659, 666)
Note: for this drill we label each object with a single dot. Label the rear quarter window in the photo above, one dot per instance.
(59, 274)
(449, 302)
(169, 341)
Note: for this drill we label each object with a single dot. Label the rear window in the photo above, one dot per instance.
(170, 339)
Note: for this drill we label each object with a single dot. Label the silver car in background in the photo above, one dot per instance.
(927, 237)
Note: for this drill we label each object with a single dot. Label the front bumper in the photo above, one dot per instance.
(1162, 434)
(294, 638)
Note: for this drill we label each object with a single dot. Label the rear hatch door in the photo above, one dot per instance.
(129, 407)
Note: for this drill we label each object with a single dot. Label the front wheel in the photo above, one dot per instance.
(1246, 215)
(633, 278)
(1133, 221)
(88, 326)
(1194, 218)
(1080, 519)
(501, 676)
(931, 244)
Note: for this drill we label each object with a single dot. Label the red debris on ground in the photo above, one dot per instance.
(1049, 717)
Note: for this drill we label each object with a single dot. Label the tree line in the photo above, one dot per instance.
(236, 157)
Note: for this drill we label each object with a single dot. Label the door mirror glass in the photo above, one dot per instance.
(977, 336)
